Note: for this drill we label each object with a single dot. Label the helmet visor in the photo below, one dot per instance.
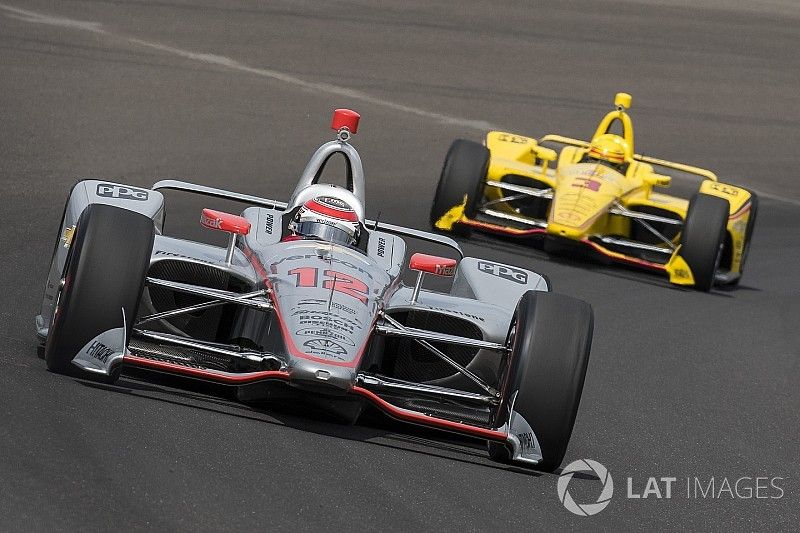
(324, 232)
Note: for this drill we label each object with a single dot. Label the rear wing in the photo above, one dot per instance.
(688, 169)
(177, 185)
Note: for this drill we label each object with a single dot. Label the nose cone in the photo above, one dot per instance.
(583, 194)
(566, 231)
(322, 377)
(573, 213)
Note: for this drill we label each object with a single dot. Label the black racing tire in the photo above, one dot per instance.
(703, 236)
(550, 343)
(104, 273)
(748, 234)
(463, 173)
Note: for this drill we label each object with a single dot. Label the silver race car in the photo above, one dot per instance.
(307, 302)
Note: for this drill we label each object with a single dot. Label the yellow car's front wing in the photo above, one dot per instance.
(675, 267)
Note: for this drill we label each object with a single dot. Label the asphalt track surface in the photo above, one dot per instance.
(238, 95)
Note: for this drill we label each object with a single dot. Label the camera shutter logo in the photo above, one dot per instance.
(585, 509)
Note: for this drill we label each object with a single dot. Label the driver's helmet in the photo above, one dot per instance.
(609, 147)
(328, 219)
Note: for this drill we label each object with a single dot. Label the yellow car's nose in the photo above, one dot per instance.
(566, 231)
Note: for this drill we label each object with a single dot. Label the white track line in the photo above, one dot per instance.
(226, 62)
(41, 18)
(232, 64)
(328, 88)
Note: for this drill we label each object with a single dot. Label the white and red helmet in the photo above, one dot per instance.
(328, 219)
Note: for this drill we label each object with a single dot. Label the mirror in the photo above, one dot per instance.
(431, 264)
(545, 154)
(657, 180)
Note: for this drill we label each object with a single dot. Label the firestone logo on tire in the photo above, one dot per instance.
(591, 508)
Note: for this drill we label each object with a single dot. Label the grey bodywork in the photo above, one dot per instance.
(328, 297)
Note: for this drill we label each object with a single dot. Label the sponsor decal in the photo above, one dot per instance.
(381, 247)
(526, 441)
(587, 171)
(181, 256)
(588, 183)
(103, 351)
(445, 270)
(502, 271)
(456, 312)
(325, 320)
(99, 351)
(123, 192)
(330, 201)
(342, 307)
(326, 333)
(269, 223)
(682, 273)
(508, 138)
(724, 189)
(312, 301)
(326, 347)
(330, 305)
(210, 222)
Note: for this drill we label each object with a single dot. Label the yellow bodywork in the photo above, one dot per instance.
(452, 217)
(69, 233)
(584, 192)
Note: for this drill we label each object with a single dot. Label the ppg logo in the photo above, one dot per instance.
(506, 272)
(108, 190)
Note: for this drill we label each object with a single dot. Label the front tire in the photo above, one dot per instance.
(552, 337)
(703, 236)
(463, 174)
(104, 273)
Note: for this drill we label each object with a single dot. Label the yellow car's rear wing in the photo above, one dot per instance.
(700, 172)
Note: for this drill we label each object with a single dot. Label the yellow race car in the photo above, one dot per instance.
(600, 195)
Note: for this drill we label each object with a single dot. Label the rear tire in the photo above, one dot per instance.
(463, 173)
(550, 353)
(104, 273)
(703, 236)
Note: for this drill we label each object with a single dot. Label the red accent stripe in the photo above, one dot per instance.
(741, 212)
(540, 231)
(611, 157)
(623, 258)
(252, 377)
(502, 229)
(209, 375)
(348, 215)
(430, 421)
